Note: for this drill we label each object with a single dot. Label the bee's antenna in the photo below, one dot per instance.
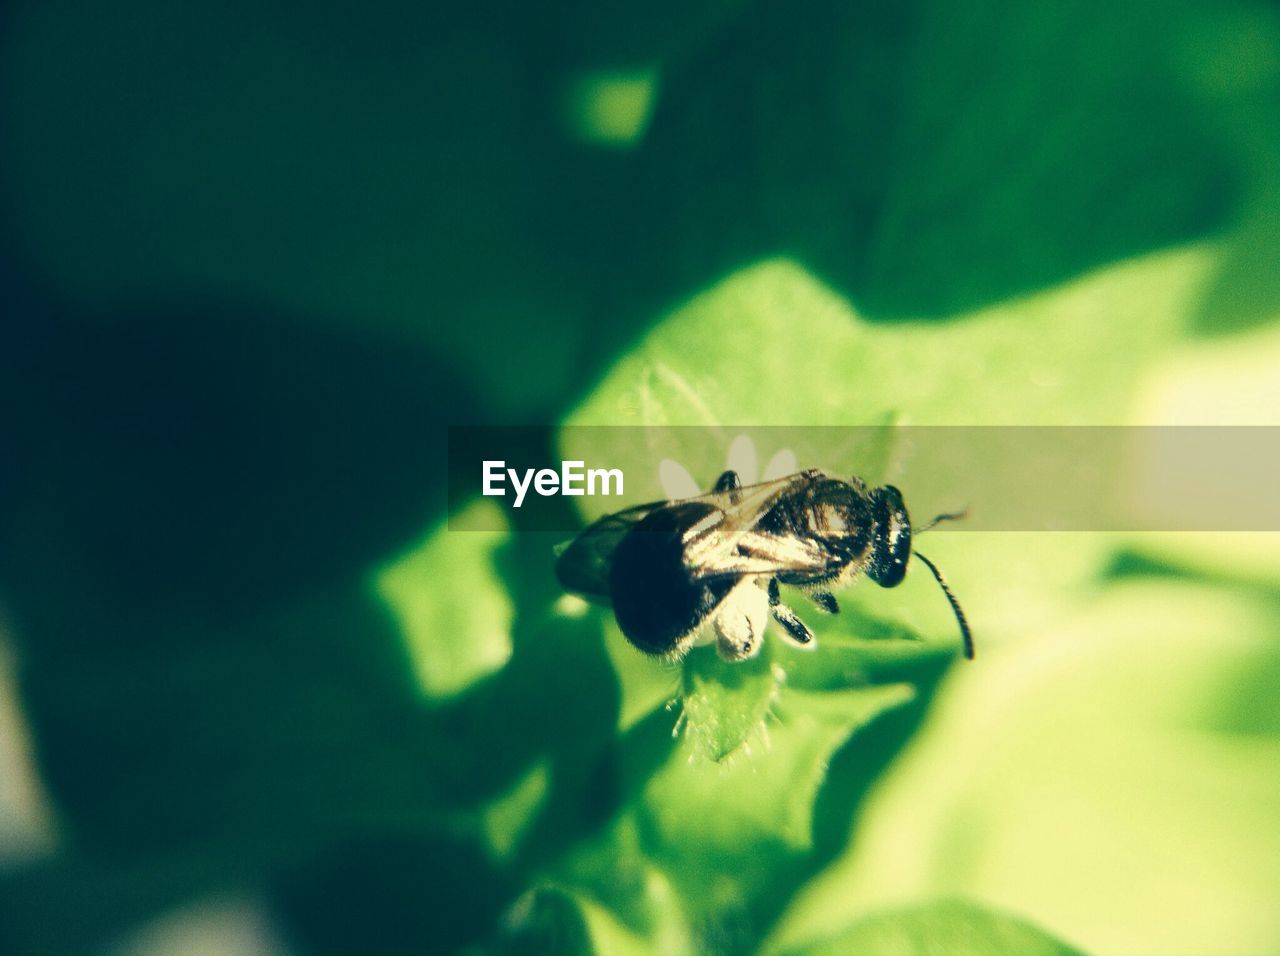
(955, 605)
(949, 516)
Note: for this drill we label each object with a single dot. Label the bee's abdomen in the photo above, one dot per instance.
(654, 601)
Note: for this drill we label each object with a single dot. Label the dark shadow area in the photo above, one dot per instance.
(1135, 564)
(214, 694)
(183, 759)
(555, 702)
(404, 173)
(927, 161)
(1131, 564)
(1246, 291)
(1248, 707)
(392, 894)
(558, 699)
(213, 457)
(193, 495)
(77, 904)
(412, 170)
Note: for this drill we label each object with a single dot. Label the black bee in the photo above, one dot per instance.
(671, 567)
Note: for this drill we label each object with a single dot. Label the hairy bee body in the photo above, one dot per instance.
(650, 561)
(671, 568)
(833, 514)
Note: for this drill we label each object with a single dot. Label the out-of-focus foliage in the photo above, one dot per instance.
(450, 586)
(254, 260)
(947, 927)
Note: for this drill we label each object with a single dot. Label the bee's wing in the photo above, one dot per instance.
(744, 507)
(733, 546)
(583, 564)
(752, 552)
(723, 544)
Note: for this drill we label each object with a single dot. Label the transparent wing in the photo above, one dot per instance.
(722, 544)
(742, 554)
(583, 564)
(734, 546)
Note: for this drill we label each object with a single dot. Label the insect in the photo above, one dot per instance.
(671, 567)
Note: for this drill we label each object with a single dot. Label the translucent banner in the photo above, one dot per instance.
(1007, 478)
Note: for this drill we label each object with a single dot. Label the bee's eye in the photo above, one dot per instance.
(890, 537)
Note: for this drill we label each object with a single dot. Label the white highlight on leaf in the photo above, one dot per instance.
(783, 463)
(676, 481)
(570, 605)
(743, 459)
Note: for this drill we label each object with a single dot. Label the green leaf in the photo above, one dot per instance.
(1087, 777)
(643, 685)
(1226, 61)
(452, 607)
(720, 828)
(726, 361)
(725, 703)
(555, 920)
(928, 163)
(730, 814)
(687, 866)
(729, 357)
(357, 196)
(1233, 381)
(507, 818)
(952, 928)
(612, 869)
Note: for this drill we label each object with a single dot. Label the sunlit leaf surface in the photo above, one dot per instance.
(950, 927)
(263, 696)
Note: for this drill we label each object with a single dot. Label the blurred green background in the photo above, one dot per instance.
(256, 698)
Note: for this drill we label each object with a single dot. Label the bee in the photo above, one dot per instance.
(669, 568)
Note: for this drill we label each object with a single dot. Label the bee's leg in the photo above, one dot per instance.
(729, 482)
(825, 601)
(740, 621)
(796, 629)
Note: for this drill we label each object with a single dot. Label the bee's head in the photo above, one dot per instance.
(890, 537)
(891, 533)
